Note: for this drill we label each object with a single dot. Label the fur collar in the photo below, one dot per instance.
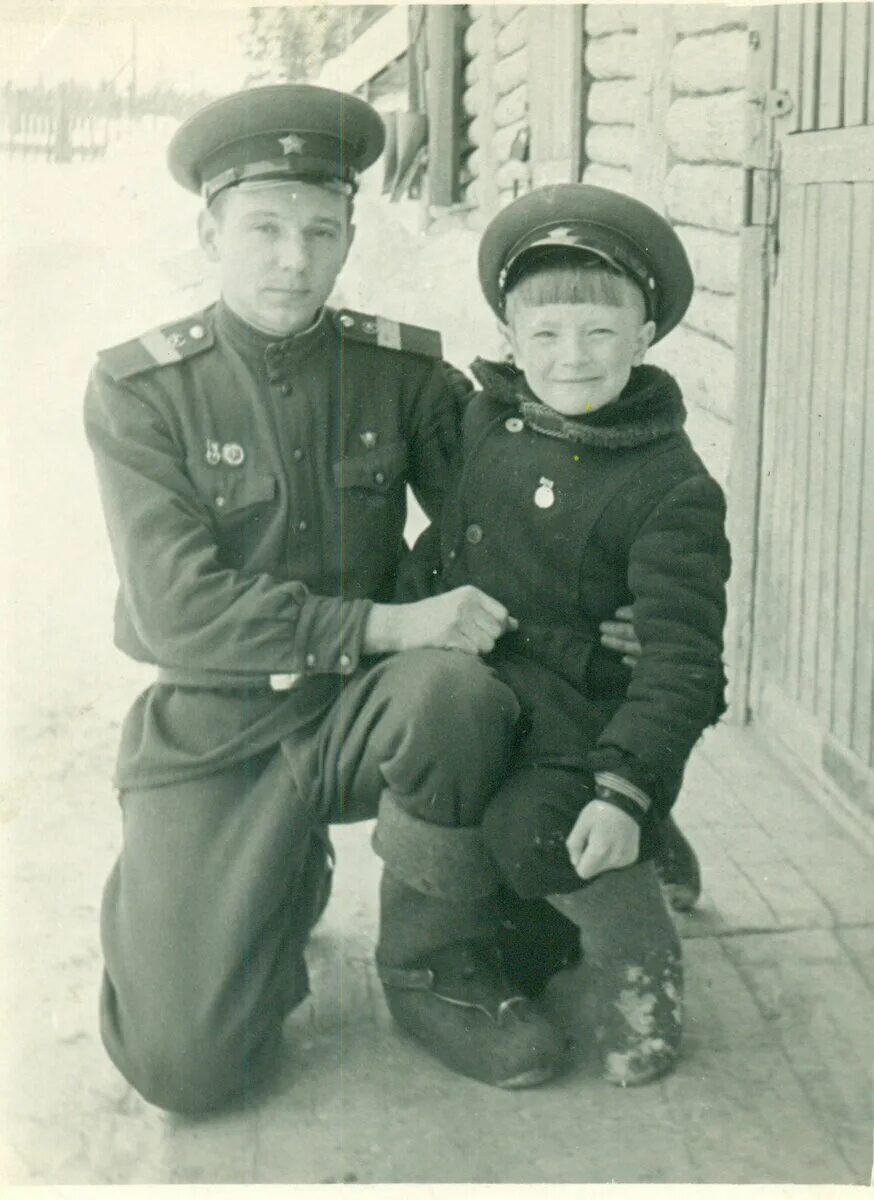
(650, 407)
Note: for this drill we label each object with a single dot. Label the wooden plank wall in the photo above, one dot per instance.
(830, 64)
(814, 630)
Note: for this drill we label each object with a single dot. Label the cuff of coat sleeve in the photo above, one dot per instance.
(616, 783)
(611, 760)
(329, 637)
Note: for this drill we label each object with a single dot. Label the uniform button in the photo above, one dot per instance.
(310, 660)
(302, 526)
(219, 501)
(514, 425)
(452, 554)
(380, 477)
(197, 332)
(474, 534)
(345, 662)
(297, 454)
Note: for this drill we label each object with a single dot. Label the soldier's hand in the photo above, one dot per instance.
(604, 838)
(619, 634)
(463, 619)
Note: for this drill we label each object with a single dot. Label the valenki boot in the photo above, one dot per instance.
(677, 866)
(629, 941)
(438, 959)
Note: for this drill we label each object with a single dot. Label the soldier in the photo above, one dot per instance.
(253, 462)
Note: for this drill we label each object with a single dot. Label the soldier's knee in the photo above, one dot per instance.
(176, 1059)
(459, 688)
(190, 1075)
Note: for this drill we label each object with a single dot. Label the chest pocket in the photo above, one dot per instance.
(374, 473)
(229, 491)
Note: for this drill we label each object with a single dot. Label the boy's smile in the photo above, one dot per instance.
(578, 357)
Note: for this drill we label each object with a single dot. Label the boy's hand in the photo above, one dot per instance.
(464, 619)
(604, 838)
(619, 634)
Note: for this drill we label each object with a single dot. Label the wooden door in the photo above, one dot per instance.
(813, 629)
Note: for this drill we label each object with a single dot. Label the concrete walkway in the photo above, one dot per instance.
(774, 1086)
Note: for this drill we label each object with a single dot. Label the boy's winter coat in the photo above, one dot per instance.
(565, 519)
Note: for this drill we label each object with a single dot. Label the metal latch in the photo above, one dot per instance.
(776, 102)
(757, 187)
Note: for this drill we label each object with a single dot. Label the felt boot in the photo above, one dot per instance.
(438, 959)
(677, 866)
(629, 940)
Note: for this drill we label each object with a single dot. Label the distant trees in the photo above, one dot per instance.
(292, 43)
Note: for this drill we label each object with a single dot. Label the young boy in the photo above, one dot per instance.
(578, 492)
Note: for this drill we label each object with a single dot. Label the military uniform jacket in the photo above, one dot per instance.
(565, 520)
(254, 493)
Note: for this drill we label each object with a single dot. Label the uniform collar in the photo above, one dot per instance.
(266, 348)
(650, 407)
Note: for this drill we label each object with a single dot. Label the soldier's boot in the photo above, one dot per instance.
(631, 945)
(438, 959)
(678, 868)
(536, 942)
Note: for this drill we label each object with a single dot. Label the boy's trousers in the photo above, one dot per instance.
(219, 880)
(628, 937)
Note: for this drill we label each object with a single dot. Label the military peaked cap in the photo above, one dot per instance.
(579, 218)
(283, 131)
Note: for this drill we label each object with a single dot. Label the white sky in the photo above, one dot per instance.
(188, 45)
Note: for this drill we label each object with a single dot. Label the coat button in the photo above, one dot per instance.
(474, 534)
(302, 526)
(219, 501)
(197, 332)
(297, 454)
(345, 662)
(310, 660)
(514, 424)
(284, 388)
(380, 477)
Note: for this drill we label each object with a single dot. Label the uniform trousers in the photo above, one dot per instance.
(207, 911)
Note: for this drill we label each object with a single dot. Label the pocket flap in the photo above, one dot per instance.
(376, 469)
(228, 490)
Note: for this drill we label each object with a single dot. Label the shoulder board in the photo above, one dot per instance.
(158, 348)
(391, 335)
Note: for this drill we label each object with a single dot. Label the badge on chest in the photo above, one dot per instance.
(544, 493)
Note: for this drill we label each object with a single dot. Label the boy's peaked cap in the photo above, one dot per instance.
(614, 227)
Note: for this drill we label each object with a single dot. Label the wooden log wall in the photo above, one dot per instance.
(495, 100)
(665, 123)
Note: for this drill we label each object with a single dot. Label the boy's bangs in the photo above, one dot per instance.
(570, 282)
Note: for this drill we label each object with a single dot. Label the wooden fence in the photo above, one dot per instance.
(51, 124)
